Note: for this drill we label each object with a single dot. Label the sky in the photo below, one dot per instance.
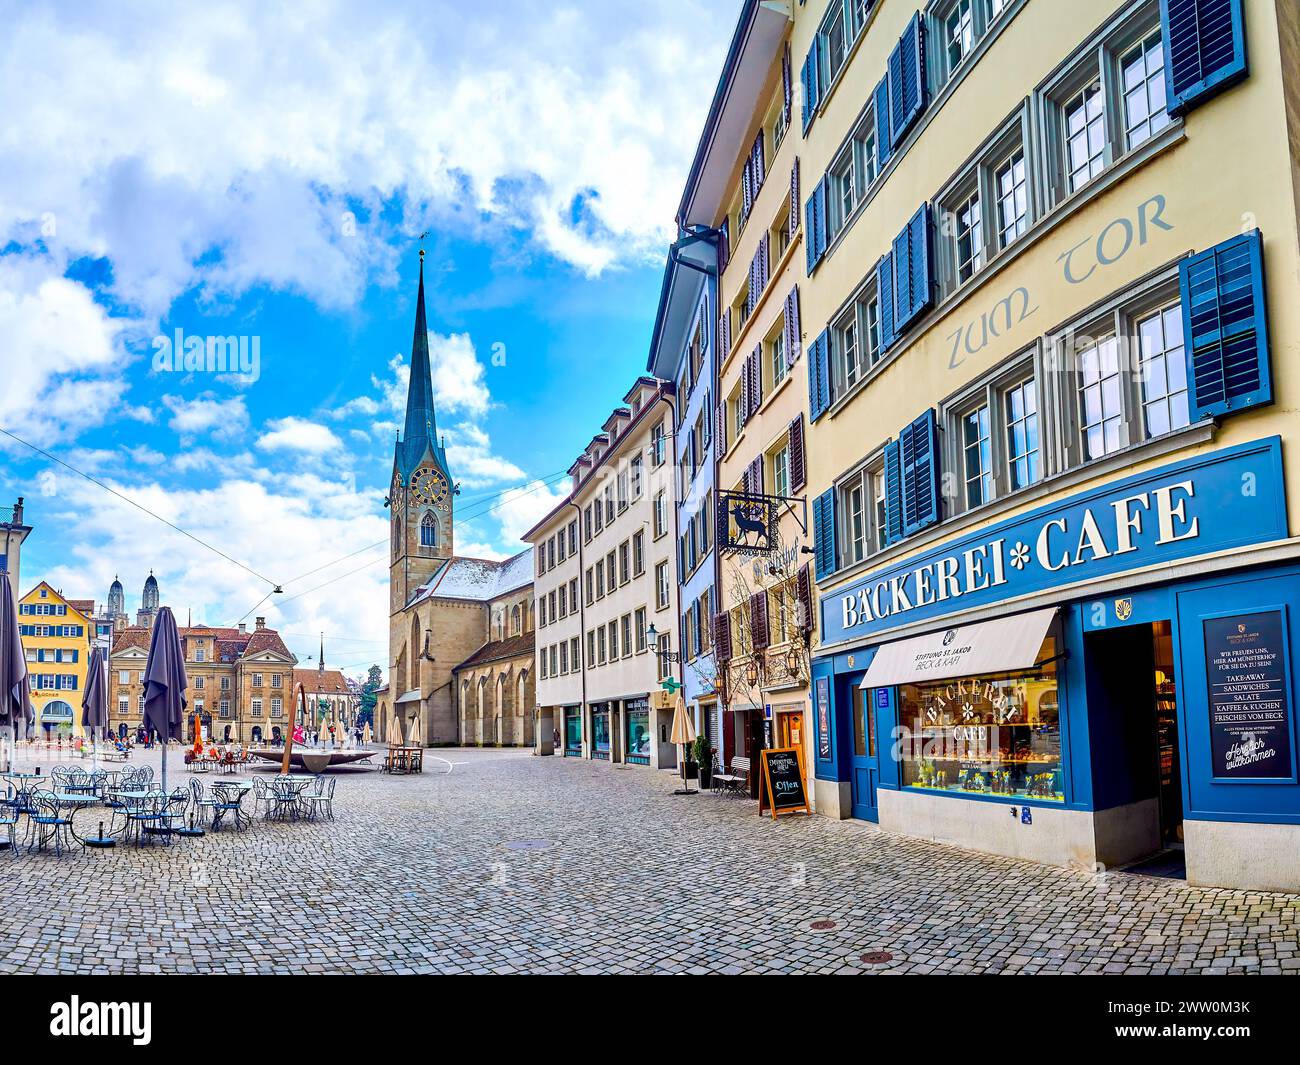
(173, 172)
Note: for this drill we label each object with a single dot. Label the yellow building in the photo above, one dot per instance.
(56, 635)
(1048, 328)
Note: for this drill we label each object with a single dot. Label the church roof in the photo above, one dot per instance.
(420, 434)
(479, 579)
(334, 683)
(496, 650)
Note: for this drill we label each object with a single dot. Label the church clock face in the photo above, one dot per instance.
(429, 487)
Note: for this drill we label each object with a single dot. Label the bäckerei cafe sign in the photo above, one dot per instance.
(1213, 502)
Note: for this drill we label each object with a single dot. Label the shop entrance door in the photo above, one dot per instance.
(866, 756)
(790, 734)
(1168, 761)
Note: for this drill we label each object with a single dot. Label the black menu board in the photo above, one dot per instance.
(782, 791)
(1249, 698)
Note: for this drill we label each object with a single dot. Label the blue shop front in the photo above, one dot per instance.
(1104, 679)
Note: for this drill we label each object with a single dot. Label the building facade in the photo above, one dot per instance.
(443, 608)
(683, 350)
(240, 683)
(607, 591)
(56, 635)
(1048, 258)
(744, 193)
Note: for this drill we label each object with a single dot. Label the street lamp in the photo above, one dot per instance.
(792, 662)
(751, 672)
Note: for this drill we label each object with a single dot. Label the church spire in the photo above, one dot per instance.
(421, 426)
(320, 667)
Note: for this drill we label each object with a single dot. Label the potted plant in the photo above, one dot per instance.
(701, 754)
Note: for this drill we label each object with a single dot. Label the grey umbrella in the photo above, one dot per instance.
(164, 683)
(15, 687)
(94, 703)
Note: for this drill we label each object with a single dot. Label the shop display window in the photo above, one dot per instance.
(993, 735)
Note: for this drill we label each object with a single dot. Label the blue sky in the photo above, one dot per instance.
(234, 171)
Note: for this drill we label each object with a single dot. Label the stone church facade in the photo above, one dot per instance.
(460, 632)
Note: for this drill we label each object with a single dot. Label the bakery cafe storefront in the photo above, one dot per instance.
(1077, 686)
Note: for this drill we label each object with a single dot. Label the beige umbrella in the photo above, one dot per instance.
(683, 734)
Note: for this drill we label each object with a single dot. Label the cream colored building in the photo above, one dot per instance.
(1049, 260)
(605, 576)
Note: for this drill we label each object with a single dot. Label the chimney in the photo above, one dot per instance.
(242, 627)
(18, 511)
(259, 624)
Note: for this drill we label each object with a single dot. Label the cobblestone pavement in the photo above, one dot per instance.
(510, 863)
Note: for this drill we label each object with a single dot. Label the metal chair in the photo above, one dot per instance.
(284, 796)
(198, 804)
(227, 799)
(10, 808)
(262, 796)
(321, 800)
(47, 824)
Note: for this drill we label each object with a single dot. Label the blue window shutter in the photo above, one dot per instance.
(808, 75)
(893, 493)
(919, 447)
(914, 292)
(819, 384)
(815, 231)
(1205, 50)
(1225, 327)
(907, 85)
(885, 293)
(884, 142)
(824, 533)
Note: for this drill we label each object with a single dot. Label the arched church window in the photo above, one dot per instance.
(428, 532)
(514, 622)
(397, 536)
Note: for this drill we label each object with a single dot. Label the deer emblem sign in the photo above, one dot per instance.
(747, 525)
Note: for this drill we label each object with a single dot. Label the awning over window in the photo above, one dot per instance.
(966, 651)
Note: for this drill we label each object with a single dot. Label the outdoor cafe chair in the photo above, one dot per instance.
(262, 796)
(174, 808)
(60, 775)
(198, 804)
(228, 799)
(285, 795)
(321, 800)
(10, 808)
(47, 824)
(142, 814)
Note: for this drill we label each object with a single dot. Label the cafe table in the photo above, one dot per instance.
(74, 801)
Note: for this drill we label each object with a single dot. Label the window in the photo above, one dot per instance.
(639, 626)
(573, 537)
(199, 653)
(609, 504)
(1013, 200)
(855, 346)
(855, 514)
(996, 444)
(1101, 414)
(198, 683)
(1143, 76)
(590, 586)
(624, 562)
(600, 645)
(1108, 101)
(124, 676)
(225, 684)
(970, 238)
(591, 648)
(277, 680)
(638, 553)
(661, 515)
(846, 343)
(257, 680)
(977, 468)
(636, 470)
(776, 360)
(626, 624)
(1085, 128)
(428, 531)
(600, 579)
(959, 32)
(575, 655)
(657, 443)
(123, 705)
(781, 471)
(661, 585)
(1163, 371)
(1021, 413)
(256, 705)
(564, 657)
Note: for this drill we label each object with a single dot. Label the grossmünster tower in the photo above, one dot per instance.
(448, 613)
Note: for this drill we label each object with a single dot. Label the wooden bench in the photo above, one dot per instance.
(737, 781)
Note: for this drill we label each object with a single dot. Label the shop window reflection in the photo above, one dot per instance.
(996, 735)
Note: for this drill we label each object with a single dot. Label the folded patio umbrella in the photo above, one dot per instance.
(94, 703)
(15, 686)
(164, 683)
(683, 733)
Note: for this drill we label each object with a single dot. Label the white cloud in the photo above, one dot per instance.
(519, 509)
(469, 452)
(298, 434)
(61, 355)
(246, 145)
(206, 416)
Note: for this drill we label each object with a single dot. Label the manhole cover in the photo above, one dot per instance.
(821, 925)
(876, 957)
(528, 845)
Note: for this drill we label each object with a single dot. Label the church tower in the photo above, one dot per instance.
(421, 492)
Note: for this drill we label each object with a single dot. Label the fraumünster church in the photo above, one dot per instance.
(460, 632)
